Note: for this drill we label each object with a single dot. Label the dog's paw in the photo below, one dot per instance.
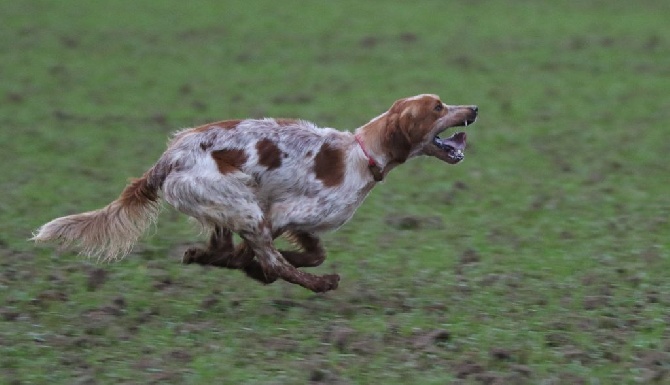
(193, 255)
(327, 282)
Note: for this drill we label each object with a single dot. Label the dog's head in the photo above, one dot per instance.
(412, 126)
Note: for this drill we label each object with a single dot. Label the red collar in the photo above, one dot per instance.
(376, 171)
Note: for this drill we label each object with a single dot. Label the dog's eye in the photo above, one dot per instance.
(439, 107)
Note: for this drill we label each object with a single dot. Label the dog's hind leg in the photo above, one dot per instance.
(223, 203)
(221, 252)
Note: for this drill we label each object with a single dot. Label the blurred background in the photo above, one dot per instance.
(542, 258)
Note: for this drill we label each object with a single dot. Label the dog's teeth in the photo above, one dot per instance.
(466, 123)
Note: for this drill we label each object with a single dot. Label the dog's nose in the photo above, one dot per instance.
(474, 109)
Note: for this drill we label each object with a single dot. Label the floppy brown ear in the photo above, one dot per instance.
(396, 137)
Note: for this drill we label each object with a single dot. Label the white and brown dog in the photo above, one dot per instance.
(262, 178)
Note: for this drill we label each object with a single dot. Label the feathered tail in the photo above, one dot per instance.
(110, 232)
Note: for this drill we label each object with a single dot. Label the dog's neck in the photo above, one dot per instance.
(375, 169)
(370, 140)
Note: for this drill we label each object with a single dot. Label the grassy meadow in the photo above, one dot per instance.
(543, 258)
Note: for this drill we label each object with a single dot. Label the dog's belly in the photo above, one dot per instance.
(316, 214)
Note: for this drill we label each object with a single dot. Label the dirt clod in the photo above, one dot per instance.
(595, 302)
(341, 337)
(51, 296)
(556, 339)
(96, 278)
(469, 256)
(467, 368)
(209, 302)
(431, 338)
(181, 356)
(414, 222)
(9, 314)
(573, 354)
(489, 378)
(500, 354)
(317, 375)
(119, 302)
(524, 370)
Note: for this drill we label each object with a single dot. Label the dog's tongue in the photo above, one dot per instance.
(457, 141)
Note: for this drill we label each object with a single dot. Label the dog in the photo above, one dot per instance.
(263, 178)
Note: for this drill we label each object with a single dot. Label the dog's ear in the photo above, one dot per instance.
(396, 139)
(407, 127)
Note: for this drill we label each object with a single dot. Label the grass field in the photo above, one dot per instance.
(544, 258)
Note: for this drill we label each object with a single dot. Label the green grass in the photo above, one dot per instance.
(544, 256)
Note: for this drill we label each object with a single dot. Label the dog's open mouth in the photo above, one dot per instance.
(451, 149)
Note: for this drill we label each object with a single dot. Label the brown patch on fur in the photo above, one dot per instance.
(225, 124)
(229, 160)
(329, 165)
(283, 122)
(269, 155)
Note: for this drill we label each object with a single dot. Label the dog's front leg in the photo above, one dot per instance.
(313, 253)
(273, 264)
